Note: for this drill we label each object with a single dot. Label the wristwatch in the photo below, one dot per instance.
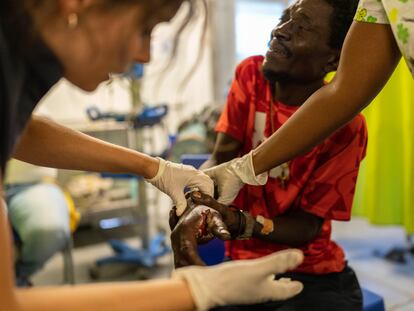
(249, 223)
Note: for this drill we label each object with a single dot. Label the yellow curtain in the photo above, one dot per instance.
(385, 188)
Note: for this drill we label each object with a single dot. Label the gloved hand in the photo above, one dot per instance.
(231, 176)
(198, 225)
(242, 281)
(172, 178)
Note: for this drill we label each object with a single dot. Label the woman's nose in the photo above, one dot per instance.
(144, 54)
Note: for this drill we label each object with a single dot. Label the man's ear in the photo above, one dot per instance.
(333, 62)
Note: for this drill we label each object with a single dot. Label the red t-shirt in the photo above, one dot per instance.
(321, 182)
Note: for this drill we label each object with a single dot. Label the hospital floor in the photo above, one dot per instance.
(364, 245)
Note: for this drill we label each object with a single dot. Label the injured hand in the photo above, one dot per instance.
(199, 224)
(230, 215)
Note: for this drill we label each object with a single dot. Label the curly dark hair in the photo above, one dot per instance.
(341, 20)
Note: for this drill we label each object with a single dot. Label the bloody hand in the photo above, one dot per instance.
(231, 216)
(199, 224)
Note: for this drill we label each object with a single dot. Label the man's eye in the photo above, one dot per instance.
(284, 18)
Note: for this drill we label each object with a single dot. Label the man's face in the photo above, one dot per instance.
(299, 48)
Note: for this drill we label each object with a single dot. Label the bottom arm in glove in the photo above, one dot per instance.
(242, 281)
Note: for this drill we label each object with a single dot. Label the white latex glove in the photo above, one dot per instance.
(242, 281)
(231, 176)
(172, 178)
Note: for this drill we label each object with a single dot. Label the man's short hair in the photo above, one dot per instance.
(341, 20)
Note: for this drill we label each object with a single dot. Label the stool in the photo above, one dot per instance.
(68, 268)
(372, 301)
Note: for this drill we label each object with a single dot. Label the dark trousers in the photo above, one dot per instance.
(329, 292)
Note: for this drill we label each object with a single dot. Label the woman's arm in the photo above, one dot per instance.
(47, 143)
(191, 287)
(7, 294)
(112, 297)
(369, 56)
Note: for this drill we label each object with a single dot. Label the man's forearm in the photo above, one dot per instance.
(295, 229)
(47, 143)
(225, 149)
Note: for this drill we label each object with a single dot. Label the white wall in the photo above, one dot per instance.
(163, 87)
(67, 104)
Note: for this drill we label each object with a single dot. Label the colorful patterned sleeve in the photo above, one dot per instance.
(371, 11)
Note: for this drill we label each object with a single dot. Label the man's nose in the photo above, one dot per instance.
(283, 32)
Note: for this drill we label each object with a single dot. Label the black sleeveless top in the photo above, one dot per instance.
(28, 70)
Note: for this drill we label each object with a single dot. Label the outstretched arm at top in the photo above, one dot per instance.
(369, 57)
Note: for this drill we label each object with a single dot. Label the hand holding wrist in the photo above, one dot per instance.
(231, 176)
(244, 169)
(171, 178)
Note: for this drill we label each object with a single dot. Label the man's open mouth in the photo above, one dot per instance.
(278, 49)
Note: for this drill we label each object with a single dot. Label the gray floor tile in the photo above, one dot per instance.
(365, 246)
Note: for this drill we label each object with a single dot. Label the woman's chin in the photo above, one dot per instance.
(88, 85)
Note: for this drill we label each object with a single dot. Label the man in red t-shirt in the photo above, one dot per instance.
(302, 197)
